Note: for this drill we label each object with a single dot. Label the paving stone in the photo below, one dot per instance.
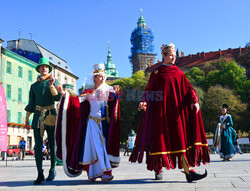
(222, 176)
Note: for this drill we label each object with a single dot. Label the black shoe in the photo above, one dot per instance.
(52, 175)
(39, 179)
(158, 176)
(192, 176)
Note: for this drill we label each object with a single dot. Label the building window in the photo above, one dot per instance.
(30, 76)
(8, 69)
(20, 72)
(19, 94)
(19, 118)
(8, 91)
(8, 115)
(59, 77)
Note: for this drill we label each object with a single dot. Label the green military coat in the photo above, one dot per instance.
(40, 95)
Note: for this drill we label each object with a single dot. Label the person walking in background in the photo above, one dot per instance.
(22, 145)
(225, 136)
(126, 148)
(236, 145)
(171, 127)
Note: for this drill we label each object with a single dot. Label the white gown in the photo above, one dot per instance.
(95, 154)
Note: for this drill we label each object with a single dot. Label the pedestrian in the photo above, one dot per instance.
(249, 136)
(90, 125)
(126, 148)
(42, 97)
(225, 136)
(45, 150)
(3, 154)
(171, 127)
(236, 144)
(22, 145)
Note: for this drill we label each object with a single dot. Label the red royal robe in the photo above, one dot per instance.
(169, 128)
(71, 129)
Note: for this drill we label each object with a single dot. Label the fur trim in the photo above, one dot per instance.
(64, 147)
(114, 159)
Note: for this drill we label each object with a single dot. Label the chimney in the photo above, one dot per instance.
(220, 52)
(239, 51)
(1, 41)
(182, 54)
(198, 54)
(13, 44)
(203, 54)
(229, 50)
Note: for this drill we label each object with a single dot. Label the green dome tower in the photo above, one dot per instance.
(110, 70)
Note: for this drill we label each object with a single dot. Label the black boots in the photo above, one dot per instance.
(52, 175)
(158, 175)
(39, 179)
(192, 176)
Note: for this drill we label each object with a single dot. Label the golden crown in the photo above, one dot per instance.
(98, 68)
(165, 49)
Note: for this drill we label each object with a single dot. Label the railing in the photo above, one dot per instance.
(243, 143)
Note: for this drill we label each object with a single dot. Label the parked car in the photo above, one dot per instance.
(13, 150)
(29, 152)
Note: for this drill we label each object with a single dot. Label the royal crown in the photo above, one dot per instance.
(165, 49)
(98, 68)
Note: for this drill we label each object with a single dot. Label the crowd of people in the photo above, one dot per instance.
(85, 134)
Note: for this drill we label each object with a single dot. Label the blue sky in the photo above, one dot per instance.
(79, 30)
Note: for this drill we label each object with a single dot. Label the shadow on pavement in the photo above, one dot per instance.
(83, 182)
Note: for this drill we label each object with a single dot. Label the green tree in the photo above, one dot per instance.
(208, 67)
(220, 64)
(200, 94)
(132, 89)
(195, 76)
(211, 110)
(211, 79)
(232, 75)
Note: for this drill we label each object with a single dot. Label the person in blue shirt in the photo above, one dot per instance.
(22, 145)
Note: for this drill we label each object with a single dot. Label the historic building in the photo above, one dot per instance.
(202, 58)
(33, 51)
(142, 50)
(110, 70)
(18, 62)
(17, 75)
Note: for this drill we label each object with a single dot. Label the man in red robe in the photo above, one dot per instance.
(171, 127)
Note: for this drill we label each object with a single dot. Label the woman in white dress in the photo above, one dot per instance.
(96, 155)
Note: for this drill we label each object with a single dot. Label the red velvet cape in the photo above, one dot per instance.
(70, 137)
(169, 128)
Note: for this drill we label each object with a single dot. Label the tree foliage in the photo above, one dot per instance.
(213, 100)
(225, 82)
(132, 89)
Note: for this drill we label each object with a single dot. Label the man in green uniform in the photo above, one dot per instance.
(42, 97)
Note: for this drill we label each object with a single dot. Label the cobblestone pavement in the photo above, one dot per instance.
(233, 175)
